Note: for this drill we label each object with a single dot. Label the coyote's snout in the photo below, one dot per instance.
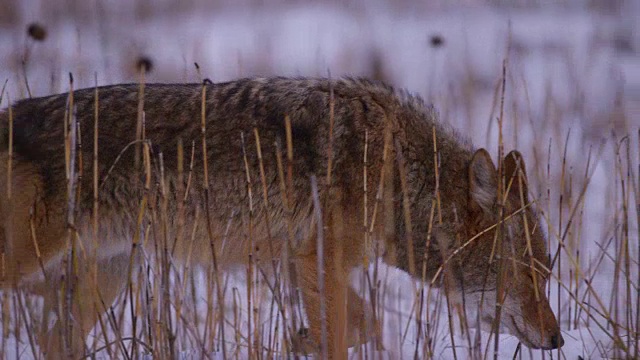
(388, 173)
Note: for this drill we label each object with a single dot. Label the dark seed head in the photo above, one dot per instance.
(436, 41)
(37, 32)
(144, 64)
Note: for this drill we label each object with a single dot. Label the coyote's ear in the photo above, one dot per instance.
(513, 169)
(483, 181)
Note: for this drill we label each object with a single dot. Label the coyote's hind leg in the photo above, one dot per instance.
(92, 297)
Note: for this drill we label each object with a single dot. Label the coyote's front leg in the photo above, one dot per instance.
(333, 295)
(361, 326)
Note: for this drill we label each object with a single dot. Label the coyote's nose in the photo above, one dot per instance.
(557, 341)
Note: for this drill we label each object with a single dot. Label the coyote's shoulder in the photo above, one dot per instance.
(221, 163)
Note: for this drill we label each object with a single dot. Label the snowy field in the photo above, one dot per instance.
(572, 87)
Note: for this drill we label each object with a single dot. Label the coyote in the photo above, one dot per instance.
(258, 166)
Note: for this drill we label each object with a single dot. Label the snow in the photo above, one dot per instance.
(566, 56)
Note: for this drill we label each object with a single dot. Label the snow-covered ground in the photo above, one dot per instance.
(572, 73)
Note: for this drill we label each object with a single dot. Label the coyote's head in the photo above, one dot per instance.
(511, 251)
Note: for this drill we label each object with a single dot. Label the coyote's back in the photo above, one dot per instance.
(223, 171)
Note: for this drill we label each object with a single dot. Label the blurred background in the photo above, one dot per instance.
(572, 85)
(583, 49)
